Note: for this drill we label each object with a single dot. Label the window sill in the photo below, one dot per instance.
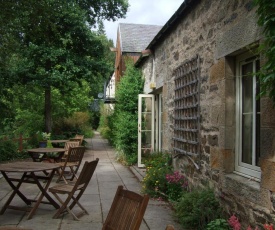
(242, 187)
(243, 180)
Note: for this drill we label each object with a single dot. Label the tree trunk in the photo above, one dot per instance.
(48, 110)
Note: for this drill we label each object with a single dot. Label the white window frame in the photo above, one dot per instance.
(250, 170)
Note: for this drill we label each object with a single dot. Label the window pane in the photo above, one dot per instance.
(247, 113)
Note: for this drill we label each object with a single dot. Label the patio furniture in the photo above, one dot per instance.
(78, 137)
(30, 172)
(58, 143)
(127, 210)
(72, 161)
(46, 154)
(71, 191)
(69, 144)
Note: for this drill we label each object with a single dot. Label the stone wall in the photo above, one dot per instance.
(216, 31)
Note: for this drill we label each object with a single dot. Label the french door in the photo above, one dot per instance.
(146, 129)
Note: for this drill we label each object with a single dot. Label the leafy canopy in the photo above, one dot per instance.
(50, 44)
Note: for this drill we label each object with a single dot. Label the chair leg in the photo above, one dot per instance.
(64, 206)
(61, 175)
(73, 171)
(75, 201)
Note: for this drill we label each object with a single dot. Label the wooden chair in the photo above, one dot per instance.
(75, 191)
(127, 210)
(72, 161)
(69, 144)
(79, 138)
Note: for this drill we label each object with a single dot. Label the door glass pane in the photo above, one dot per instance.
(146, 131)
(247, 113)
(258, 116)
(160, 124)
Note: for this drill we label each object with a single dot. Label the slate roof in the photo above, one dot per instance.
(136, 37)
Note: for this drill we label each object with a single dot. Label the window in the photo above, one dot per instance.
(247, 116)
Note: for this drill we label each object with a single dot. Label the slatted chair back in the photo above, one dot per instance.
(74, 192)
(127, 210)
(72, 161)
(79, 138)
(75, 154)
(69, 144)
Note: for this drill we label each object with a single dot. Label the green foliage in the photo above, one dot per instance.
(50, 44)
(266, 19)
(197, 208)
(24, 114)
(176, 185)
(26, 106)
(9, 151)
(218, 224)
(104, 124)
(78, 122)
(158, 165)
(160, 180)
(130, 85)
(123, 122)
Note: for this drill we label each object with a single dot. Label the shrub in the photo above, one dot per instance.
(9, 151)
(78, 123)
(197, 208)
(176, 184)
(218, 224)
(158, 165)
(123, 122)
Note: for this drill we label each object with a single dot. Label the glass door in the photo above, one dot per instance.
(146, 128)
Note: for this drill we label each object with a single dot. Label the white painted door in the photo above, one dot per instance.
(146, 122)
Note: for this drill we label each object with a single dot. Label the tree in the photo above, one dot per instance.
(50, 43)
(266, 18)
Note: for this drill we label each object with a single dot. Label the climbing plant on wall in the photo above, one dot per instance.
(266, 19)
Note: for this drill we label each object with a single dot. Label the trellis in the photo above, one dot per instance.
(187, 108)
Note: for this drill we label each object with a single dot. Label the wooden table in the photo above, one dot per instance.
(46, 154)
(30, 172)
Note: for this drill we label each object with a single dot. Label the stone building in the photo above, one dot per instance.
(131, 39)
(200, 76)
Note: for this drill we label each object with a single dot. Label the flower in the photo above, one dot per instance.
(234, 222)
(268, 227)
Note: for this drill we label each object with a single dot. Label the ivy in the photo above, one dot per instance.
(266, 19)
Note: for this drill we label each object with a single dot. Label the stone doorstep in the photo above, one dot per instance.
(138, 172)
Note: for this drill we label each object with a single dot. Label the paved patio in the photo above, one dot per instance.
(97, 198)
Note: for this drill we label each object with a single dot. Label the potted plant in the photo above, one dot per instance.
(43, 139)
